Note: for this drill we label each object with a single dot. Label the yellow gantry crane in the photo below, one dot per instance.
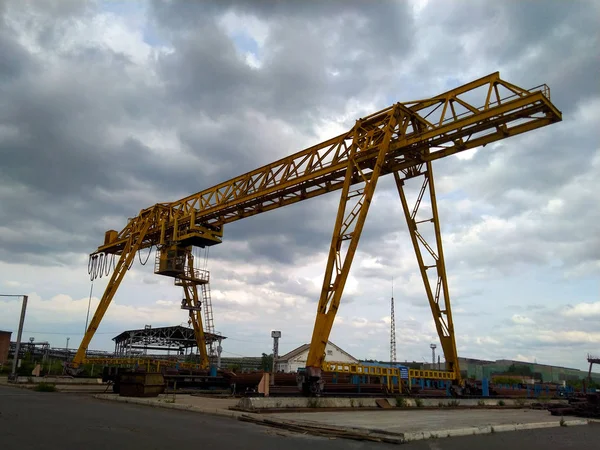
(403, 139)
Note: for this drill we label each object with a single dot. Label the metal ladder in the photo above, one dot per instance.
(209, 324)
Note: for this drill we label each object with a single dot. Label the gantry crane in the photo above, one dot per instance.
(403, 139)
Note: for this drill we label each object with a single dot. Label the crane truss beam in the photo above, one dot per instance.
(476, 114)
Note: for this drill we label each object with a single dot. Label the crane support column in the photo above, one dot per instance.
(193, 304)
(125, 260)
(437, 292)
(369, 136)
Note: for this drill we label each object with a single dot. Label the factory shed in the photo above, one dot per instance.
(176, 339)
(292, 361)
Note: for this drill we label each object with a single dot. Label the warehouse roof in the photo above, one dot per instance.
(179, 335)
(305, 347)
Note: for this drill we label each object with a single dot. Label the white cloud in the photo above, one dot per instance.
(165, 302)
(568, 337)
(486, 340)
(583, 310)
(524, 358)
(521, 320)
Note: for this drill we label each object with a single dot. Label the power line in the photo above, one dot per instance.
(392, 330)
(67, 333)
(236, 354)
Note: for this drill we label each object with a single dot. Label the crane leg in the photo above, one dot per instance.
(192, 299)
(350, 219)
(121, 268)
(436, 286)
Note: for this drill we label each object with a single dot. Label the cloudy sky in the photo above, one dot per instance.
(109, 107)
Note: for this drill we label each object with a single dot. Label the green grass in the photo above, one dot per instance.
(45, 387)
(401, 402)
(562, 422)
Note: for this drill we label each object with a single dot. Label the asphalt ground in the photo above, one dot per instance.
(53, 421)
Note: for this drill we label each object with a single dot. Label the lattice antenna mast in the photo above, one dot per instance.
(393, 330)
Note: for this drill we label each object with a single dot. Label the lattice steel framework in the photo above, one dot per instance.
(392, 331)
(403, 139)
(176, 338)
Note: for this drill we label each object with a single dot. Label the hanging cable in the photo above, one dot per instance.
(147, 257)
(88, 309)
(107, 265)
(91, 267)
(96, 265)
(102, 261)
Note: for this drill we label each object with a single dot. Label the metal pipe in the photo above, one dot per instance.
(13, 374)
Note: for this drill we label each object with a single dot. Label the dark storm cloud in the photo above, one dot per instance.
(555, 44)
(302, 46)
(393, 17)
(57, 119)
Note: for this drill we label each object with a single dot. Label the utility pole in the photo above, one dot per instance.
(392, 330)
(13, 374)
(275, 335)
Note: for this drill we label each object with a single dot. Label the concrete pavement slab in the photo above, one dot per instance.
(422, 424)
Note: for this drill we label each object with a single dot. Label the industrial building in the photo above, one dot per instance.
(292, 361)
(543, 373)
(4, 345)
(175, 340)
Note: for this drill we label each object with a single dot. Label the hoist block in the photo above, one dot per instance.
(171, 261)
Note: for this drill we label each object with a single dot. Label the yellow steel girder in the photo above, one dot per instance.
(398, 139)
(486, 116)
